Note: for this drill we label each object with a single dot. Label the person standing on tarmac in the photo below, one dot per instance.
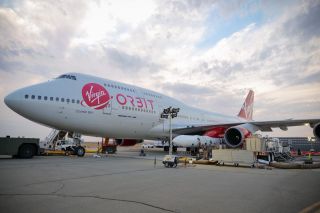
(210, 150)
(192, 149)
(198, 151)
(205, 151)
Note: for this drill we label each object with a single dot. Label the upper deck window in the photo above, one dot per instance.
(72, 77)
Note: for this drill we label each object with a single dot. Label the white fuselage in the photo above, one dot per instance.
(99, 107)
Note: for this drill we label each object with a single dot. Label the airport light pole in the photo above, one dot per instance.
(170, 113)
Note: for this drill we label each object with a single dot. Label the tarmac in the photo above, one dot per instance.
(127, 183)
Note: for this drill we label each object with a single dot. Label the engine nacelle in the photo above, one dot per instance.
(316, 130)
(235, 135)
(217, 132)
(193, 140)
(128, 142)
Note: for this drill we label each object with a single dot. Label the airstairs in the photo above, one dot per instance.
(51, 140)
(61, 142)
(281, 151)
(282, 156)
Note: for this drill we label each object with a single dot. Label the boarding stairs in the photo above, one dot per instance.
(282, 156)
(53, 137)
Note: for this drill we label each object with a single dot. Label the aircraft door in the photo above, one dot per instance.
(108, 109)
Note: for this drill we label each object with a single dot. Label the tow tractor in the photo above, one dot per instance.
(19, 147)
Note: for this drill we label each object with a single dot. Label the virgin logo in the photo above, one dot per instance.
(95, 95)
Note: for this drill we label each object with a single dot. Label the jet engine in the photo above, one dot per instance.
(316, 130)
(189, 140)
(128, 142)
(234, 136)
(217, 132)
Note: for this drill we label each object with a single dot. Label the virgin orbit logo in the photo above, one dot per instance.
(95, 95)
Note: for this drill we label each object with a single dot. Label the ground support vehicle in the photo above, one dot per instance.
(19, 147)
(170, 161)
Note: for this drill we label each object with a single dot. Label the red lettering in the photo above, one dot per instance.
(139, 102)
(123, 101)
(145, 103)
(131, 100)
(151, 103)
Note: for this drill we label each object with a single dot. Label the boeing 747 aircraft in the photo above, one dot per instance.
(99, 107)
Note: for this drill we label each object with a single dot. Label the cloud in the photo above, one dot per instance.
(155, 44)
(263, 52)
(306, 24)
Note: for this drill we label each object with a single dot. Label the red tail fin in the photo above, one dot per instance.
(247, 107)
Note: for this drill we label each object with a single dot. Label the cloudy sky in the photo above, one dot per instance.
(206, 53)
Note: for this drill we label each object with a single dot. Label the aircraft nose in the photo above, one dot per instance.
(8, 100)
(11, 101)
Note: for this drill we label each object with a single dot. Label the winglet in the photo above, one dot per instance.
(247, 107)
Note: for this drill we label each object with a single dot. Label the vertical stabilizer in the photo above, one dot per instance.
(247, 107)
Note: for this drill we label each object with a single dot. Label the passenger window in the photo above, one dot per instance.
(68, 100)
(62, 99)
(33, 97)
(57, 99)
(73, 101)
(45, 98)
(51, 98)
(26, 96)
(39, 97)
(78, 102)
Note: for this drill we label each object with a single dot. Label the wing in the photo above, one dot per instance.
(264, 126)
(284, 124)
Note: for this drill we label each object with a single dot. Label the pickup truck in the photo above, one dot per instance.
(19, 147)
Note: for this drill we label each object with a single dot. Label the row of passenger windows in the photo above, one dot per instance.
(119, 87)
(152, 95)
(138, 109)
(46, 98)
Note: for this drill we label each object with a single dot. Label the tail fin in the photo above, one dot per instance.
(247, 107)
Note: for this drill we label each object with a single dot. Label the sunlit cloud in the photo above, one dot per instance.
(213, 49)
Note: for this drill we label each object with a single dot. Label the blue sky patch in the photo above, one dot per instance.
(219, 27)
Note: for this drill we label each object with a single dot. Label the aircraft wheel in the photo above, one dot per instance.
(80, 151)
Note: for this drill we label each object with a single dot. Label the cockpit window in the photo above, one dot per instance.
(72, 77)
